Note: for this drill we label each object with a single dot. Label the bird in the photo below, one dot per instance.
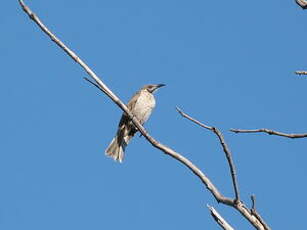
(141, 106)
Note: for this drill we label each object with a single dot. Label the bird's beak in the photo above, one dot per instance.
(155, 87)
(160, 85)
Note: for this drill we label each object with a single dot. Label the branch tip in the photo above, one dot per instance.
(219, 219)
(270, 132)
(253, 198)
(225, 149)
(300, 73)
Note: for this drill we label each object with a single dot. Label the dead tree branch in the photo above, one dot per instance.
(219, 219)
(225, 148)
(254, 211)
(270, 132)
(302, 3)
(239, 205)
(206, 181)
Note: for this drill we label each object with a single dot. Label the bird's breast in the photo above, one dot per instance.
(144, 106)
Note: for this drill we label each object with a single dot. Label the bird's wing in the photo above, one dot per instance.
(133, 100)
(124, 119)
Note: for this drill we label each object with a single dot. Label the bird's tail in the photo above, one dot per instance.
(117, 147)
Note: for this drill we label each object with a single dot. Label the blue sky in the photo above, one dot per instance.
(228, 65)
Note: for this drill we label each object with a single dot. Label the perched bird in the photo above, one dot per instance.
(141, 106)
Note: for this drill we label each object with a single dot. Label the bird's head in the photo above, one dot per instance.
(151, 88)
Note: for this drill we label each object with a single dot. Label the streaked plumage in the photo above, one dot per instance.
(141, 106)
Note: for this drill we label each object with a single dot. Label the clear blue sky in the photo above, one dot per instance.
(228, 64)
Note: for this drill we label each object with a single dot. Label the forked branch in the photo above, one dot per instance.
(239, 205)
(225, 148)
(98, 83)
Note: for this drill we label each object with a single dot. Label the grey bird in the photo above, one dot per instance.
(141, 106)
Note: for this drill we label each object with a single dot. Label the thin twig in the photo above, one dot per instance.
(302, 3)
(253, 198)
(93, 83)
(219, 219)
(225, 148)
(301, 72)
(256, 214)
(206, 181)
(270, 132)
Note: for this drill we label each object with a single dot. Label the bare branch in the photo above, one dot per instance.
(253, 198)
(237, 203)
(206, 181)
(219, 219)
(302, 3)
(225, 148)
(301, 72)
(270, 132)
(93, 83)
(255, 213)
(115, 99)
